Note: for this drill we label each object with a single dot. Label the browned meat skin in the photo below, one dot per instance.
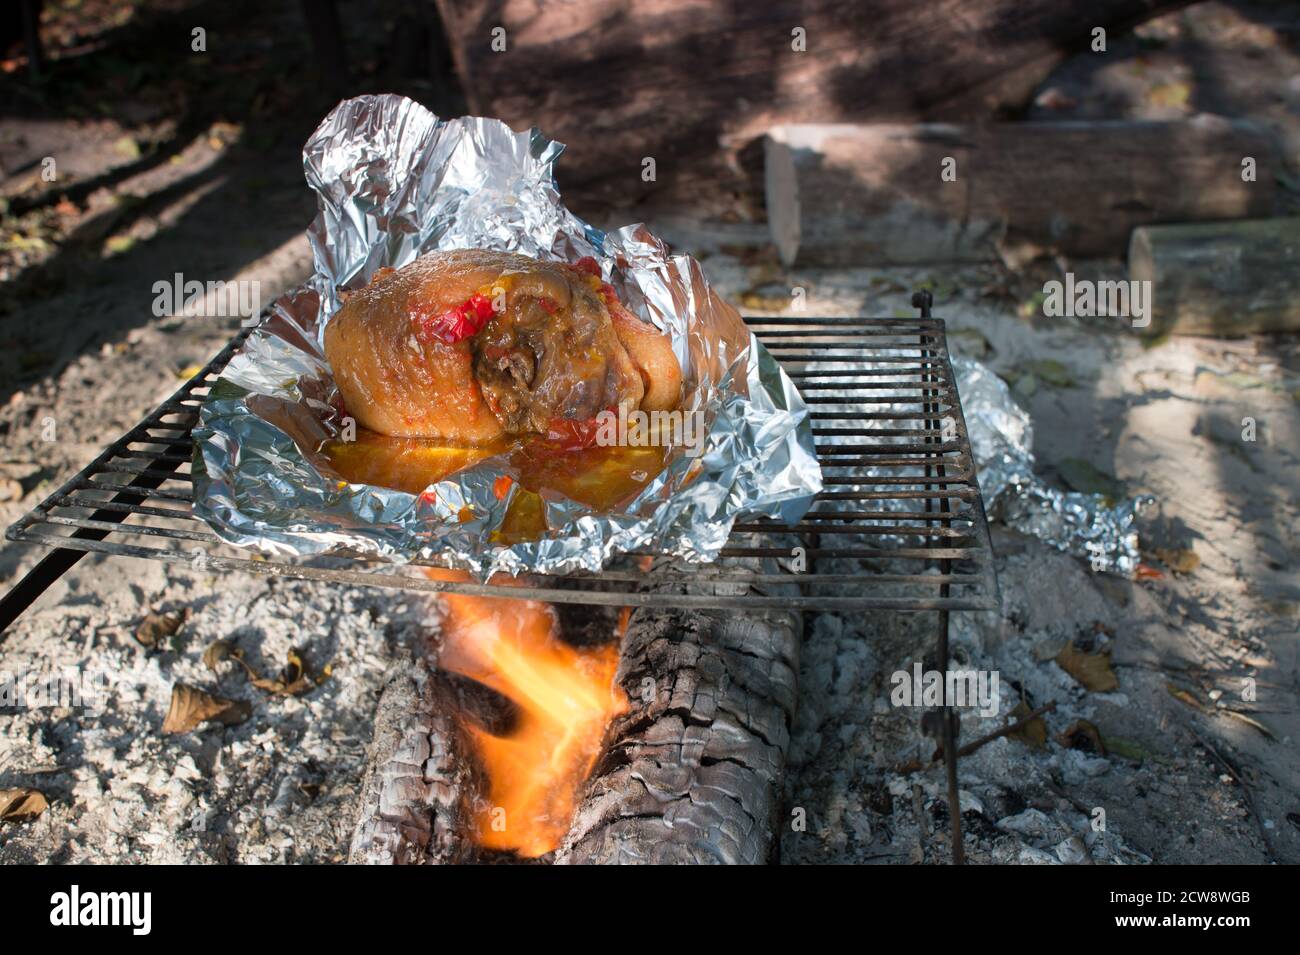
(551, 352)
(652, 354)
(534, 366)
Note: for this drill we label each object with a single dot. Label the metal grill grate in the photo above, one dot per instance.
(900, 524)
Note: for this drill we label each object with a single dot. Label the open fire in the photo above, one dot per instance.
(565, 698)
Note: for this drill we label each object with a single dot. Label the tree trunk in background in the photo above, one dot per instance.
(856, 195)
(1220, 278)
(672, 80)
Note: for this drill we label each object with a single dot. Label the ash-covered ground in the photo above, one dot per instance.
(1218, 605)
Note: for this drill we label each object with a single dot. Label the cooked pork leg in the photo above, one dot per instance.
(470, 346)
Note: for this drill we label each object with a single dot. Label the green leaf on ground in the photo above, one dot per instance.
(128, 147)
(1080, 475)
(1050, 371)
(1127, 748)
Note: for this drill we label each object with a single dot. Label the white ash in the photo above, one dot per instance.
(273, 789)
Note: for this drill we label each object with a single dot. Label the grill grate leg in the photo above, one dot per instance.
(948, 716)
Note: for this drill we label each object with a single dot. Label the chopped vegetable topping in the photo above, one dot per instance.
(456, 324)
(587, 265)
(568, 434)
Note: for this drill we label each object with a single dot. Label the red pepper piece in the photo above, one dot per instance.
(481, 306)
(451, 326)
(571, 435)
(587, 265)
(457, 323)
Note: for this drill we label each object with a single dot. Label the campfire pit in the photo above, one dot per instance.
(691, 767)
(690, 770)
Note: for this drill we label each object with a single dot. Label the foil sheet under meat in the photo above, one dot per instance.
(394, 182)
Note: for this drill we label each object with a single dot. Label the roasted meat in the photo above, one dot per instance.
(470, 346)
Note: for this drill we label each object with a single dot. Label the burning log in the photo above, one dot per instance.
(695, 711)
(563, 697)
(415, 796)
(693, 771)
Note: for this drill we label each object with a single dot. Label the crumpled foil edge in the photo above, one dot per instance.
(394, 181)
(1002, 438)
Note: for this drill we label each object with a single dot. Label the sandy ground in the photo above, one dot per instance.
(81, 346)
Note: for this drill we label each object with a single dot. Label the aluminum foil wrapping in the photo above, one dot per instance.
(1001, 436)
(394, 182)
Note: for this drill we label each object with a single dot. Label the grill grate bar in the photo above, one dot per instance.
(900, 492)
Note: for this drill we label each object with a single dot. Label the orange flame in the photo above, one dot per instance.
(566, 697)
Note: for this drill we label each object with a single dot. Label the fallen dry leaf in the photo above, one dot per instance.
(1092, 671)
(155, 628)
(1248, 720)
(1169, 94)
(764, 302)
(118, 244)
(1185, 696)
(191, 707)
(218, 651)
(1181, 560)
(1083, 735)
(293, 679)
(19, 805)
(1034, 733)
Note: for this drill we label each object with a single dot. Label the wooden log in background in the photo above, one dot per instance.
(691, 84)
(1220, 278)
(874, 194)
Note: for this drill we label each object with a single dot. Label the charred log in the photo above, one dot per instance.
(414, 807)
(691, 773)
(693, 769)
